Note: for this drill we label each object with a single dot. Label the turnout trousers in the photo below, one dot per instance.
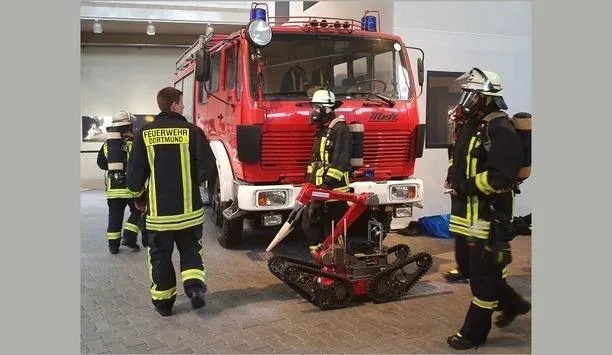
(161, 269)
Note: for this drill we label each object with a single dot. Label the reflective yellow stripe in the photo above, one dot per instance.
(193, 274)
(131, 227)
(343, 189)
(150, 266)
(319, 176)
(162, 295)
(135, 194)
(113, 235)
(335, 173)
(201, 251)
(450, 162)
(118, 194)
(309, 170)
(322, 148)
(186, 172)
(175, 218)
(105, 149)
(469, 231)
(459, 220)
(174, 226)
(482, 183)
(475, 207)
(152, 196)
(485, 304)
(505, 272)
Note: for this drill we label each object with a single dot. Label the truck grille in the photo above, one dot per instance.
(290, 151)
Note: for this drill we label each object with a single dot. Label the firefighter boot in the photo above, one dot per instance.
(134, 246)
(454, 276)
(459, 342)
(164, 310)
(507, 316)
(113, 246)
(197, 299)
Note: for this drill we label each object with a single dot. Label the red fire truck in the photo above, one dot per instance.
(250, 90)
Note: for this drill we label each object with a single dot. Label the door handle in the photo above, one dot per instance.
(220, 116)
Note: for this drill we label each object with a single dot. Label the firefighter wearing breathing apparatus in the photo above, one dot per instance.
(486, 159)
(113, 157)
(329, 166)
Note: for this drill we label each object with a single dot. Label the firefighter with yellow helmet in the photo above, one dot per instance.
(329, 166)
(485, 162)
(113, 157)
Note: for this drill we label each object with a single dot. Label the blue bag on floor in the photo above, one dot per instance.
(436, 226)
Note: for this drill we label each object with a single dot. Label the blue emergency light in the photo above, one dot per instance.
(368, 23)
(368, 173)
(258, 14)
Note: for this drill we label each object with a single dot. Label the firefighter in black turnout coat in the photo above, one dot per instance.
(486, 159)
(175, 158)
(329, 166)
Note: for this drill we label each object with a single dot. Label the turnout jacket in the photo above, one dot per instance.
(113, 191)
(175, 158)
(483, 166)
(330, 160)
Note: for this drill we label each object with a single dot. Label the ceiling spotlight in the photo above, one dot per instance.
(150, 29)
(97, 27)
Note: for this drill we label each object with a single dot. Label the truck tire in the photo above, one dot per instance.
(229, 233)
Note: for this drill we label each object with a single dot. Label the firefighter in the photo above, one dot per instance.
(329, 166)
(486, 159)
(174, 157)
(117, 195)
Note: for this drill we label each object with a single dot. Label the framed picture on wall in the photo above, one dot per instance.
(93, 128)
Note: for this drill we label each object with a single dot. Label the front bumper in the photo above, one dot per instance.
(247, 194)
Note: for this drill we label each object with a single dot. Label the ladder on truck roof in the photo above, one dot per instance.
(202, 42)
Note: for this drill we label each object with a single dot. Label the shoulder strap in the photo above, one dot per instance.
(495, 114)
(336, 120)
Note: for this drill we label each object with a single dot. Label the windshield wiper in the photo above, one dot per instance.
(387, 100)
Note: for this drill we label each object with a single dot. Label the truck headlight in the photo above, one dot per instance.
(271, 198)
(402, 192)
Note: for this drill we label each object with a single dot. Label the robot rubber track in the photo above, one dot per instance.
(388, 284)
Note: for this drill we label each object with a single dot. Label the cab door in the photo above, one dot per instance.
(231, 92)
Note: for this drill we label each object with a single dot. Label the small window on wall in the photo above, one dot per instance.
(442, 94)
(215, 70)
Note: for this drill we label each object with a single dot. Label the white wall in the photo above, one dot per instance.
(121, 77)
(457, 36)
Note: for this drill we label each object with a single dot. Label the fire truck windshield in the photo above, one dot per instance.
(296, 65)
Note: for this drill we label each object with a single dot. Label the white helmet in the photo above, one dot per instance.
(123, 117)
(324, 97)
(486, 82)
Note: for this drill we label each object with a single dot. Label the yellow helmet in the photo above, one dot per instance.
(486, 82)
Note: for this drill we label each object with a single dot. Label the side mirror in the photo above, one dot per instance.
(420, 68)
(420, 71)
(202, 70)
